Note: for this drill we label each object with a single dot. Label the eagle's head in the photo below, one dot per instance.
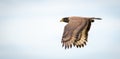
(65, 19)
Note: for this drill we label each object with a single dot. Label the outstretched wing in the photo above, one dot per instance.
(83, 36)
(72, 31)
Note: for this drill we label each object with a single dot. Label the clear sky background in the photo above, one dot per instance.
(30, 29)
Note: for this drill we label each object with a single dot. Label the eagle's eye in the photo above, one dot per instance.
(66, 19)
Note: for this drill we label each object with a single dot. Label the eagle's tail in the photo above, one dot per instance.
(93, 18)
(96, 18)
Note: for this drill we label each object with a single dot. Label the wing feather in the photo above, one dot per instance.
(84, 35)
(72, 31)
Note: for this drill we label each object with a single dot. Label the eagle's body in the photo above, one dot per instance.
(76, 31)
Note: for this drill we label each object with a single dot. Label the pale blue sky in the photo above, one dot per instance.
(30, 29)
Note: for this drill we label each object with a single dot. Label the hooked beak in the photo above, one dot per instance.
(61, 20)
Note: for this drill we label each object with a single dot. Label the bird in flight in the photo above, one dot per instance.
(76, 31)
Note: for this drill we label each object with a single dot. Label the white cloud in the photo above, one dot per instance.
(52, 7)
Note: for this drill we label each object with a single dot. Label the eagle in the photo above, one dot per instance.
(76, 31)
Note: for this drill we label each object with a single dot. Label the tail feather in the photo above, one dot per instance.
(97, 18)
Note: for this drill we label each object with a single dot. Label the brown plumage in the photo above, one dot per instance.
(76, 31)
